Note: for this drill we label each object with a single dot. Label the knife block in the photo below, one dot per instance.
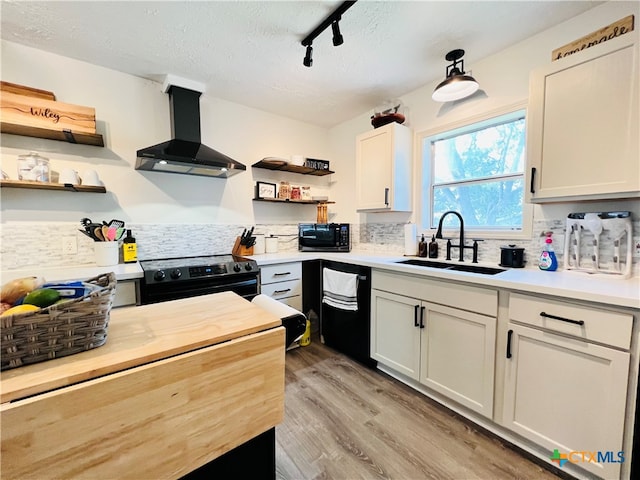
(241, 249)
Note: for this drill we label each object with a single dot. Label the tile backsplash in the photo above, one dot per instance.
(25, 245)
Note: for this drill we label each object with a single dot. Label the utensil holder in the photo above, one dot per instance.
(241, 249)
(106, 253)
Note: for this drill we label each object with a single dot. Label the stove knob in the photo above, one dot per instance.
(159, 275)
(248, 267)
(236, 268)
(175, 274)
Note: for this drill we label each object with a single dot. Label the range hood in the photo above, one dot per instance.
(185, 153)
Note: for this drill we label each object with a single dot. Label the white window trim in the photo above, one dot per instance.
(423, 178)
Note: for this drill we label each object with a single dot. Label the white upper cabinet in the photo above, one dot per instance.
(383, 169)
(582, 129)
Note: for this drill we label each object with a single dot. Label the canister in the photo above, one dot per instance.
(259, 246)
(512, 256)
(271, 244)
(33, 167)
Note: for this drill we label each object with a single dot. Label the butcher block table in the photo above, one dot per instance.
(177, 385)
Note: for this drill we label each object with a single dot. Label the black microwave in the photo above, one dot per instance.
(324, 237)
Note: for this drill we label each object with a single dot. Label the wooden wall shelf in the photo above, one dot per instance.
(61, 135)
(291, 168)
(51, 186)
(283, 200)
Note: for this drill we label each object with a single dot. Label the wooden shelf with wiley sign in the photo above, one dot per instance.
(33, 112)
(616, 29)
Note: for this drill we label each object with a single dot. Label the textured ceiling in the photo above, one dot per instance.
(250, 52)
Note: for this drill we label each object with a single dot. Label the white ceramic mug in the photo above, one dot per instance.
(69, 175)
(91, 178)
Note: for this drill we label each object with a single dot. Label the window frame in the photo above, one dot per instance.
(425, 173)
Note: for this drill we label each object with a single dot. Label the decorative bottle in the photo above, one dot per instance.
(129, 249)
(433, 247)
(422, 247)
(548, 260)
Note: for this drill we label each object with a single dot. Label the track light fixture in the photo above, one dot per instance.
(308, 61)
(332, 20)
(337, 36)
(457, 85)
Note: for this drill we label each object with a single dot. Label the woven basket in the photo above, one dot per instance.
(59, 330)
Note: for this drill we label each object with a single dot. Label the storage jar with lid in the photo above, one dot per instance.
(33, 167)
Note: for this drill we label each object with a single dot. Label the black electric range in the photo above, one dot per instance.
(173, 278)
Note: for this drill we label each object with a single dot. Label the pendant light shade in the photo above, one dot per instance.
(457, 85)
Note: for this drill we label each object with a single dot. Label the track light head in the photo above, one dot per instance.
(308, 61)
(337, 36)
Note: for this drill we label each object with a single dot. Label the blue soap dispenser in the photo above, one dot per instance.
(548, 260)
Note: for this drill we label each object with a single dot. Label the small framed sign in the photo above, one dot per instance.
(265, 190)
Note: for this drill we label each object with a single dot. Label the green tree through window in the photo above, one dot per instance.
(478, 170)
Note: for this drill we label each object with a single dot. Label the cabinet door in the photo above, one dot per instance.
(458, 356)
(395, 332)
(383, 169)
(582, 133)
(566, 394)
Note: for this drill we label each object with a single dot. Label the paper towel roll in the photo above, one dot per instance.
(410, 240)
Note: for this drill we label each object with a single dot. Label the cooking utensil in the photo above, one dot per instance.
(98, 234)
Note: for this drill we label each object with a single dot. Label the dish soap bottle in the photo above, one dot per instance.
(433, 247)
(548, 260)
(422, 247)
(129, 249)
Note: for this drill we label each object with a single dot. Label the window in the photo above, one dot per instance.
(477, 169)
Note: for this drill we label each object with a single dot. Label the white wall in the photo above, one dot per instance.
(133, 113)
(504, 80)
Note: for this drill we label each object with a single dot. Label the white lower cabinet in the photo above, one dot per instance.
(283, 282)
(562, 391)
(449, 350)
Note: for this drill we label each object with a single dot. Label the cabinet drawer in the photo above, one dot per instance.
(282, 289)
(457, 295)
(280, 272)
(583, 321)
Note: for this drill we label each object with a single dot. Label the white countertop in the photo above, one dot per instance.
(123, 271)
(605, 289)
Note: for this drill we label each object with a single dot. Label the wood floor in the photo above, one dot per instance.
(345, 421)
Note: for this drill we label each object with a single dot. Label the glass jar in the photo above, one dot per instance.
(285, 191)
(33, 167)
(295, 193)
(305, 193)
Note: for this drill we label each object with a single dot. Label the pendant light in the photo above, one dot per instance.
(457, 85)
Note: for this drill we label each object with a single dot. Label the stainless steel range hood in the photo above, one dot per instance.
(184, 153)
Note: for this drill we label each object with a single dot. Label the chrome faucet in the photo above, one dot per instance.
(461, 246)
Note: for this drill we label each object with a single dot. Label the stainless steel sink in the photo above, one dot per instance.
(456, 267)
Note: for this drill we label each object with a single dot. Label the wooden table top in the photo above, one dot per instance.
(142, 334)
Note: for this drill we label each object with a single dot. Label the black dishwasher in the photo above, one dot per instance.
(348, 331)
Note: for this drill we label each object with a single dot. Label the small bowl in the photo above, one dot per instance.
(381, 120)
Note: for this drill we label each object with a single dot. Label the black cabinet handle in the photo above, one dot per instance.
(533, 178)
(415, 315)
(278, 292)
(509, 335)
(386, 197)
(278, 274)
(562, 319)
(422, 317)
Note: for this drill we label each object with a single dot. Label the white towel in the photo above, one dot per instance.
(340, 290)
